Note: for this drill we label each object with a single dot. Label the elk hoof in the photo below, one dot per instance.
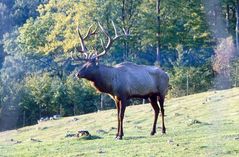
(119, 138)
(164, 131)
(152, 133)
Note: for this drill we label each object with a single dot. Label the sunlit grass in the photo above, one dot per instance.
(203, 124)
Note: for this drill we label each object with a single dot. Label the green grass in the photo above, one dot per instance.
(200, 125)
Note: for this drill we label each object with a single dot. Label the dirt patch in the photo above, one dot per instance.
(191, 122)
(35, 140)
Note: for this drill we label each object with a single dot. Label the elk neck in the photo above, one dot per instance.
(103, 79)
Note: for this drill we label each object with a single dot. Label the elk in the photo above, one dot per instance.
(123, 81)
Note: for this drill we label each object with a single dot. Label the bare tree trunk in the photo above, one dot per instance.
(39, 111)
(74, 109)
(187, 84)
(123, 16)
(237, 26)
(236, 76)
(227, 17)
(2, 55)
(101, 101)
(158, 31)
(61, 112)
(126, 48)
(24, 119)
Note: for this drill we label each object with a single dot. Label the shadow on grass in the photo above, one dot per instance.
(92, 137)
(134, 137)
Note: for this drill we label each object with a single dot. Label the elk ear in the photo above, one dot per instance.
(95, 61)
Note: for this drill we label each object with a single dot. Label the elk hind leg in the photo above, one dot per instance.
(161, 102)
(153, 101)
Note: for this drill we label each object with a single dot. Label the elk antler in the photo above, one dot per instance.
(76, 57)
(110, 39)
(83, 50)
(89, 33)
(106, 48)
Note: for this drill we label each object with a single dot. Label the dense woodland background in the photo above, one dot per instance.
(36, 38)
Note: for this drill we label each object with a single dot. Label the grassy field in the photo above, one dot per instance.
(199, 125)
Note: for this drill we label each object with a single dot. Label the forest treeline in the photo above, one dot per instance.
(37, 37)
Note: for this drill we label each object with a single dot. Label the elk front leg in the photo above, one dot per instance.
(123, 103)
(117, 104)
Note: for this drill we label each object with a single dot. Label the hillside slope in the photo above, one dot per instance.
(205, 124)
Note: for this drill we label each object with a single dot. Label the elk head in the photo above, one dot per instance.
(90, 67)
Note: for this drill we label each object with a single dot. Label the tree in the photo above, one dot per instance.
(14, 13)
(12, 74)
(83, 99)
(237, 25)
(4, 26)
(158, 31)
